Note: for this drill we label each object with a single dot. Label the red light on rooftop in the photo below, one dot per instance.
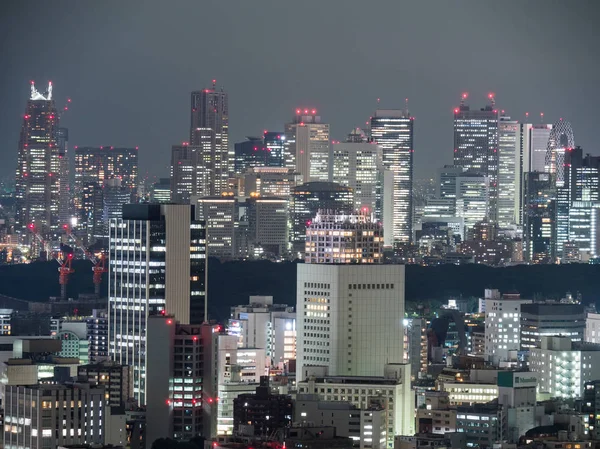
(70, 256)
(214, 81)
(65, 226)
(297, 111)
(465, 95)
(169, 321)
(168, 401)
(162, 312)
(306, 111)
(265, 131)
(68, 100)
(195, 338)
(491, 95)
(210, 400)
(456, 110)
(51, 116)
(30, 226)
(314, 111)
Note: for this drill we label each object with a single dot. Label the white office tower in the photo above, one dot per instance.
(157, 260)
(508, 159)
(307, 146)
(262, 324)
(503, 327)
(341, 238)
(584, 228)
(358, 164)
(349, 318)
(564, 366)
(592, 328)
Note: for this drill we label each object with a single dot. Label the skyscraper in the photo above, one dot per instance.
(358, 164)
(308, 198)
(307, 146)
(192, 172)
(533, 143)
(220, 214)
(508, 152)
(157, 261)
(210, 120)
(569, 161)
(539, 225)
(392, 129)
(37, 183)
(64, 206)
(476, 144)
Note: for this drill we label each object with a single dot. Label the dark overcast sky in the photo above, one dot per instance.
(129, 66)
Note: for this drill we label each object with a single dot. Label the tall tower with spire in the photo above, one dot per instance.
(38, 164)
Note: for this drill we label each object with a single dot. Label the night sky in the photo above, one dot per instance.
(129, 66)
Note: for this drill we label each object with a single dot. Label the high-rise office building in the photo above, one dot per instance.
(546, 319)
(307, 199)
(274, 142)
(560, 139)
(533, 143)
(358, 164)
(160, 191)
(502, 326)
(192, 171)
(508, 158)
(114, 196)
(157, 263)
(220, 214)
(587, 182)
(266, 151)
(307, 146)
(210, 123)
(341, 238)
(584, 228)
(392, 129)
(180, 367)
(476, 144)
(565, 179)
(97, 164)
(472, 198)
(268, 220)
(262, 324)
(37, 183)
(116, 380)
(539, 221)
(64, 197)
(342, 310)
(447, 175)
(269, 181)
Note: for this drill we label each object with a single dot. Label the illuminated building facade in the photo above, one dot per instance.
(307, 199)
(472, 198)
(220, 215)
(392, 130)
(587, 183)
(268, 220)
(565, 179)
(307, 146)
(192, 173)
(508, 151)
(210, 124)
(157, 262)
(64, 207)
(584, 228)
(269, 181)
(97, 164)
(358, 164)
(37, 182)
(180, 364)
(339, 238)
(262, 324)
(545, 319)
(533, 142)
(539, 225)
(344, 307)
(476, 145)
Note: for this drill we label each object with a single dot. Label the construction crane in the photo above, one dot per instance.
(98, 262)
(64, 271)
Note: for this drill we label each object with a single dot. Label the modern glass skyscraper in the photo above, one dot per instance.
(37, 186)
(307, 146)
(539, 226)
(210, 114)
(476, 144)
(392, 129)
(157, 264)
(508, 155)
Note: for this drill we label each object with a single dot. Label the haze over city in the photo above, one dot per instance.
(129, 67)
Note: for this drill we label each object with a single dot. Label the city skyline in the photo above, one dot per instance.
(430, 75)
